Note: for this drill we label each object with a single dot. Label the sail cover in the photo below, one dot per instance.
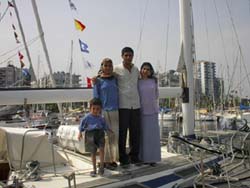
(28, 145)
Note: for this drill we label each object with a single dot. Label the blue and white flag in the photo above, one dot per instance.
(25, 72)
(83, 46)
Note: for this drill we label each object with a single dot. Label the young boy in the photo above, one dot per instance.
(94, 126)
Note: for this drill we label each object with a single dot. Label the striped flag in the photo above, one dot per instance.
(21, 59)
(79, 25)
(89, 82)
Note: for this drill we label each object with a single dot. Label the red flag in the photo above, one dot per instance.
(21, 59)
(10, 4)
(89, 82)
(20, 56)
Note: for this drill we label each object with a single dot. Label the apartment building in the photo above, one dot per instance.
(10, 76)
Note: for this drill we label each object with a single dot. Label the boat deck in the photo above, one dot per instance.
(172, 168)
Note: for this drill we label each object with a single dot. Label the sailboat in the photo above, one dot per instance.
(36, 160)
(67, 138)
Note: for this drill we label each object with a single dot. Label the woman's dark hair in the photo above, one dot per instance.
(152, 72)
(127, 49)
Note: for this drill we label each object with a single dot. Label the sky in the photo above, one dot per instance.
(150, 27)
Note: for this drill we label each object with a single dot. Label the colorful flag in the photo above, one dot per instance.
(79, 25)
(21, 59)
(16, 37)
(72, 5)
(89, 82)
(13, 26)
(15, 34)
(83, 46)
(88, 64)
(10, 4)
(25, 72)
(22, 64)
(20, 56)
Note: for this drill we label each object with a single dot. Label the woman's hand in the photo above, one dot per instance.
(79, 137)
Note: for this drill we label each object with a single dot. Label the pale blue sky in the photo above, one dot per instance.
(113, 24)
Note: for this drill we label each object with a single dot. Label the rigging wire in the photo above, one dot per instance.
(240, 82)
(208, 46)
(4, 13)
(240, 89)
(232, 76)
(221, 34)
(193, 39)
(21, 47)
(249, 5)
(141, 30)
(238, 41)
(167, 34)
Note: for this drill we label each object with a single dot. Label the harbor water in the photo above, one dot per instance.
(175, 126)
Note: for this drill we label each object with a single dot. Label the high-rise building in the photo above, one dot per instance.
(207, 75)
(62, 79)
(10, 76)
(169, 79)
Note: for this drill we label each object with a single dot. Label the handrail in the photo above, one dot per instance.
(22, 150)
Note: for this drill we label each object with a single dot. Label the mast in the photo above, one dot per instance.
(41, 33)
(38, 68)
(70, 70)
(24, 42)
(188, 81)
(71, 65)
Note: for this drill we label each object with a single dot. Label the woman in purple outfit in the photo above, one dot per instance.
(150, 150)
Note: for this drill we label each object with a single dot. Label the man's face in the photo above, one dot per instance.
(127, 57)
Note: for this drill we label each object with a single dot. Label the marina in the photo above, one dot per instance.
(203, 114)
(180, 164)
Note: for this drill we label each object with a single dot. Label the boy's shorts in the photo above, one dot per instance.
(94, 139)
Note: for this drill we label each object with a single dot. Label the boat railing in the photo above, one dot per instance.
(50, 138)
(22, 147)
(239, 149)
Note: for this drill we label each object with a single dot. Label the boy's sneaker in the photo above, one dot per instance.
(93, 173)
(101, 171)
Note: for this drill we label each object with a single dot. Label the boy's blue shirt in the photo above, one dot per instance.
(91, 122)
